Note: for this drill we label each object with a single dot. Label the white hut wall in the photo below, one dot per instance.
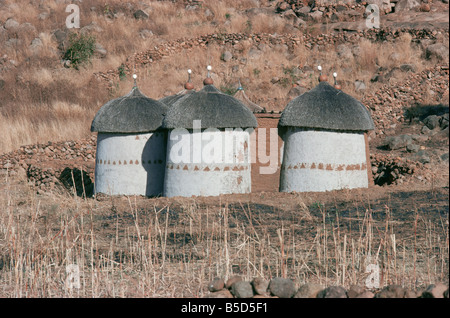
(130, 164)
(209, 162)
(316, 160)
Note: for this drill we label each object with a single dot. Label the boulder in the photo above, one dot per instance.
(359, 85)
(365, 294)
(438, 51)
(260, 285)
(355, 291)
(391, 291)
(242, 289)
(11, 24)
(232, 280)
(432, 122)
(140, 15)
(435, 291)
(308, 291)
(397, 142)
(315, 16)
(282, 287)
(422, 156)
(216, 284)
(406, 5)
(226, 56)
(333, 292)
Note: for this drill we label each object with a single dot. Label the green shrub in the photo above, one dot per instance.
(80, 50)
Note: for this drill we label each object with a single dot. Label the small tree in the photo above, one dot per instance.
(80, 50)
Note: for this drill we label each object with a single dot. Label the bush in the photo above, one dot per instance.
(80, 50)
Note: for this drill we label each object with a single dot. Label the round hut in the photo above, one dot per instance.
(131, 146)
(325, 141)
(208, 149)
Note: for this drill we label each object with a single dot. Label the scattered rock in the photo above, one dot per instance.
(333, 292)
(406, 5)
(232, 280)
(60, 36)
(216, 284)
(412, 148)
(359, 85)
(422, 157)
(435, 291)
(91, 27)
(408, 68)
(282, 287)
(316, 16)
(145, 33)
(424, 7)
(438, 51)
(365, 294)
(432, 122)
(260, 285)
(242, 289)
(140, 15)
(443, 121)
(391, 291)
(397, 142)
(11, 24)
(355, 291)
(226, 56)
(344, 52)
(308, 291)
(100, 50)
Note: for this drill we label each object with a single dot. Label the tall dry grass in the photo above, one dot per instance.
(129, 247)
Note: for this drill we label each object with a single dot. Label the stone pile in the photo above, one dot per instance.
(54, 165)
(393, 104)
(387, 169)
(237, 287)
(322, 12)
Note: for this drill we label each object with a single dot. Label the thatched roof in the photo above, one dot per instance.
(214, 108)
(132, 113)
(240, 95)
(326, 107)
(169, 100)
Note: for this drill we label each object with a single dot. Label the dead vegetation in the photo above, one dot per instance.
(135, 247)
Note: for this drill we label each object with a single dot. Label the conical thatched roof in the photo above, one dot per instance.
(169, 100)
(214, 108)
(326, 107)
(240, 95)
(132, 113)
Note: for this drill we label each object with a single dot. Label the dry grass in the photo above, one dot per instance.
(133, 247)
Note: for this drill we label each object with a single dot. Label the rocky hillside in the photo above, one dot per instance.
(399, 71)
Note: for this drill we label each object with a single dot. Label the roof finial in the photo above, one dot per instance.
(336, 85)
(240, 88)
(189, 85)
(135, 77)
(322, 78)
(208, 80)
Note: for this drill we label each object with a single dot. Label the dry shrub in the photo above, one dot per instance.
(367, 58)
